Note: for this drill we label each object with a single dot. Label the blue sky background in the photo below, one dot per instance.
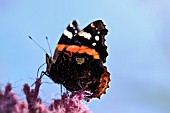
(138, 44)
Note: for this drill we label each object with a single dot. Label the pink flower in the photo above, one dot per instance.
(9, 102)
(72, 104)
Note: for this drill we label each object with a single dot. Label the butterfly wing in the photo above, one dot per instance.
(74, 66)
(93, 36)
(69, 33)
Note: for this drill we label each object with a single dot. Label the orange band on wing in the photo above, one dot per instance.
(73, 48)
(60, 47)
(96, 56)
(83, 49)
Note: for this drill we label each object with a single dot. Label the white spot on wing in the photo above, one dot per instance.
(96, 38)
(88, 36)
(104, 42)
(92, 25)
(68, 33)
(85, 35)
(105, 37)
(106, 27)
(71, 25)
(94, 44)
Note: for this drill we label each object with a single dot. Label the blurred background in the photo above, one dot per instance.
(138, 44)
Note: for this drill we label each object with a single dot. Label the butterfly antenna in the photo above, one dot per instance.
(37, 43)
(48, 45)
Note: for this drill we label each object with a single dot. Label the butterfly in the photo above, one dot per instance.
(79, 57)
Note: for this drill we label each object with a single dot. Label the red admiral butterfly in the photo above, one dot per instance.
(78, 59)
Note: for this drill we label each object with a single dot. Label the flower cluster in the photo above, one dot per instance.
(9, 102)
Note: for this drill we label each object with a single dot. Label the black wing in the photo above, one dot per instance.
(93, 36)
